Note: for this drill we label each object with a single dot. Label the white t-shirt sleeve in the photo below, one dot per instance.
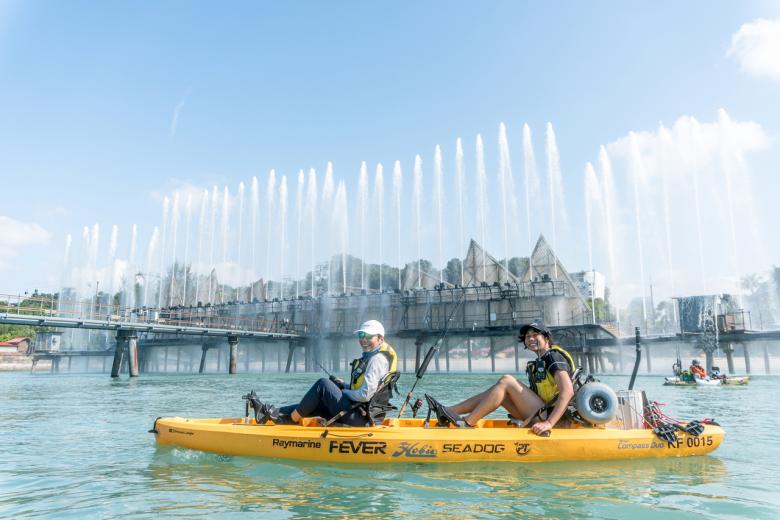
(378, 367)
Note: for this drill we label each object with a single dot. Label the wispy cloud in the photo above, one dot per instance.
(756, 45)
(177, 111)
(15, 236)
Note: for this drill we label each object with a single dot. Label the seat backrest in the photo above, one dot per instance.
(376, 407)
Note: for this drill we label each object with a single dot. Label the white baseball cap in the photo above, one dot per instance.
(372, 327)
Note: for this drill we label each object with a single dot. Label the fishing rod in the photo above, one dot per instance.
(431, 352)
(323, 369)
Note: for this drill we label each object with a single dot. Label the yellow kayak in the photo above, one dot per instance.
(407, 440)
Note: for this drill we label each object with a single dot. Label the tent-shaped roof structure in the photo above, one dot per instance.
(480, 266)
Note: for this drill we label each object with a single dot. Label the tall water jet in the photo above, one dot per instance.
(188, 222)
(379, 196)
(81, 282)
(532, 185)
(610, 205)
(341, 224)
(482, 202)
(66, 261)
(202, 234)
(397, 189)
(638, 178)
(328, 190)
(556, 187)
(503, 184)
(282, 232)
(311, 209)
(113, 243)
(255, 205)
(696, 137)
(225, 226)
(174, 249)
(438, 201)
(592, 198)
(240, 228)
(150, 254)
(417, 196)
(362, 203)
(212, 239)
(460, 183)
(666, 145)
(270, 197)
(298, 237)
(161, 272)
(130, 300)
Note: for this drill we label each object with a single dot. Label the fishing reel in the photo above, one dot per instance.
(416, 406)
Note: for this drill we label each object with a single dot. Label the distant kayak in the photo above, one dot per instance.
(730, 380)
(407, 440)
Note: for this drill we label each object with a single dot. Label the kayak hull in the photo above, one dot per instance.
(728, 381)
(406, 440)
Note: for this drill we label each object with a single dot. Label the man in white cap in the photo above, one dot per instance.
(330, 396)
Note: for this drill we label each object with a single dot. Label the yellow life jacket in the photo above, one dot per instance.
(543, 382)
(359, 365)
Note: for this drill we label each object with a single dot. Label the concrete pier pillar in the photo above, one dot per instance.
(517, 357)
(436, 361)
(290, 352)
(233, 343)
(730, 357)
(132, 353)
(278, 357)
(766, 360)
(620, 357)
(104, 363)
(178, 359)
(219, 359)
(404, 355)
(648, 357)
(492, 354)
(246, 359)
(70, 361)
(204, 350)
(119, 353)
(447, 353)
(747, 357)
(468, 353)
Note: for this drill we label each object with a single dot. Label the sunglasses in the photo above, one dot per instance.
(365, 335)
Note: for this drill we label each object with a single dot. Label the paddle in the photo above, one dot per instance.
(431, 352)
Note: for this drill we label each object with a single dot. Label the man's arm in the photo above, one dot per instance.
(377, 368)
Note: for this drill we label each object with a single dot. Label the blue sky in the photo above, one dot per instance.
(107, 107)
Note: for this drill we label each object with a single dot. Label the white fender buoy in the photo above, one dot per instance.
(596, 403)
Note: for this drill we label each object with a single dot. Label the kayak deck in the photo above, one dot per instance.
(407, 440)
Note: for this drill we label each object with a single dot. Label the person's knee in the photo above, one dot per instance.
(507, 380)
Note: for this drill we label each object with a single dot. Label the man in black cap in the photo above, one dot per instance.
(546, 397)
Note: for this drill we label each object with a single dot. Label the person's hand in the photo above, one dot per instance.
(541, 427)
(338, 382)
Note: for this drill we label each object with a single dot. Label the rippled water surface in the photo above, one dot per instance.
(78, 445)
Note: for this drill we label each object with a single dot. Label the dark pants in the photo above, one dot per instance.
(324, 399)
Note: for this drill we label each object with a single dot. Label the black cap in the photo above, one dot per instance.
(538, 326)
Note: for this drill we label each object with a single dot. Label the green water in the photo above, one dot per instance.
(77, 445)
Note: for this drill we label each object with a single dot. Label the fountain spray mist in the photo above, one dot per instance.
(166, 209)
(460, 186)
(438, 201)
(328, 190)
(418, 214)
(311, 208)
(188, 223)
(174, 235)
(270, 197)
(556, 187)
(362, 203)
(532, 189)
(397, 188)
(638, 175)
(299, 227)
(609, 205)
(503, 183)
(282, 232)
(379, 196)
(592, 198)
(240, 228)
(482, 203)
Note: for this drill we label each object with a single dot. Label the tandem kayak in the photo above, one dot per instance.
(407, 440)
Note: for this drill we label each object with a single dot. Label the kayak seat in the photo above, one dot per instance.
(375, 409)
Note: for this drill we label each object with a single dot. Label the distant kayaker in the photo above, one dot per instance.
(547, 396)
(698, 370)
(330, 396)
